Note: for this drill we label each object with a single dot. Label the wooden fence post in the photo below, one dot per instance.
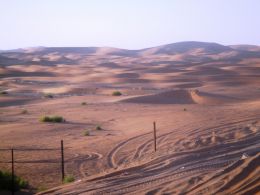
(62, 161)
(154, 134)
(13, 186)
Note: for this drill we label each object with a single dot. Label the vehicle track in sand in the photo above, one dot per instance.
(147, 147)
(154, 175)
(79, 160)
(112, 153)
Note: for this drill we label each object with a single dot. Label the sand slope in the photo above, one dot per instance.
(169, 97)
(210, 99)
(240, 178)
(181, 97)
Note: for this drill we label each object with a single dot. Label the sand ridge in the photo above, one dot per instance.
(181, 97)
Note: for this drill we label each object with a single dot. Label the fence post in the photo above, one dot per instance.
(13, 187)
(154, 134)
(62, 161)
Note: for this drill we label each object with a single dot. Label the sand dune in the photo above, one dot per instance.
(181, 97)
(169, 97)
(210, 99)
(190, 51)
(246, 47)
(188, 46)
(204, 98)
(240, 178)
(14, 101)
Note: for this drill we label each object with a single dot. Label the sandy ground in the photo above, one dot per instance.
(207, 114)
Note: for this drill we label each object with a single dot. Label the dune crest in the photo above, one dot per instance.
(181, 97)
(209, 98)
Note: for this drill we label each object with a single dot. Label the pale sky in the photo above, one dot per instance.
(129, 24)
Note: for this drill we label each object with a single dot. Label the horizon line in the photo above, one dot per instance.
(114, 47)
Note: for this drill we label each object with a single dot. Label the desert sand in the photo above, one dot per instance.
(204, 98)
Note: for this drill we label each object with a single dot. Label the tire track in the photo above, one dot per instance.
(172, 167)
(140, 149)
(111, 154)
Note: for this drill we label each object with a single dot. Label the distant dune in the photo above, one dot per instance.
(189, 46)
(246, 47)
(183, 51)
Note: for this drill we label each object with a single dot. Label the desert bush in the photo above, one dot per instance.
(184, 109)
(86, 133)
(98, 128)
(24, 111)
(41, 188)
(6, 181)
(83, 103)
(48, 95)
(3, 92)
(68, 179)
(116, 93)
(52, 119)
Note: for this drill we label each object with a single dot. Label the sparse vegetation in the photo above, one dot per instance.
(98, 128)
(24, 111)
(68, 179)
(41, 188)
(86, 133)
(116, 93)
(83, 103)
(6, 181)
(52, 119)
(184, 109)
(3, 92)
(48, 95)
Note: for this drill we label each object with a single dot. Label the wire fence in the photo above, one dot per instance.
(34, 164)
(46, 166)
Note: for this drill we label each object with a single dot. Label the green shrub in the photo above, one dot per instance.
(52, 119)
(68, 179)
(6, 181)
(83, 103)
(86, 133)
(98, 128)
(116, 93)
(48, 95)
(41, 188)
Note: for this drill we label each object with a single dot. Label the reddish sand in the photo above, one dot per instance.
(204, 97)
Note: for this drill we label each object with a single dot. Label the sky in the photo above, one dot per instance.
(129, 24)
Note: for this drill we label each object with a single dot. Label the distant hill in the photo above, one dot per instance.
(190, 51)
(184, 47)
